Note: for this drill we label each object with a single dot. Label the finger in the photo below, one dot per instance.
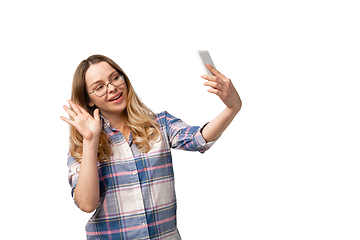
(209, 77)
(75, 107)
(214, 82)
(215, 85)
(214, 70)
(82, 110)
(215, 91)
(70, 112)
(66, 120)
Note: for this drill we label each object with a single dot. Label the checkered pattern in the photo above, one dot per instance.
(137, 194)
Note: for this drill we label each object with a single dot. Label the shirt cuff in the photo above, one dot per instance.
(201, 142)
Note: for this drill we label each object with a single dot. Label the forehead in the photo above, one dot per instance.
(98, 71)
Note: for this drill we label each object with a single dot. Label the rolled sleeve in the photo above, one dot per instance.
(201, 143)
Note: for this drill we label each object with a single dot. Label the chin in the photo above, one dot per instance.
(112, 109)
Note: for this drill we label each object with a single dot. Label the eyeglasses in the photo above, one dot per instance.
(101, 89)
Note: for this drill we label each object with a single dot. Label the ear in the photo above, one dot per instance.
(90, 103)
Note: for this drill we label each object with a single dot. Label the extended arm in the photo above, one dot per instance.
(223, 87)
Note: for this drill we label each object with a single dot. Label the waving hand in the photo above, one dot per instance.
(88, 126)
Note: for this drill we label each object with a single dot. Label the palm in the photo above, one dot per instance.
(88, 126)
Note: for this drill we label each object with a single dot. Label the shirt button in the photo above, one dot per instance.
(143, 224)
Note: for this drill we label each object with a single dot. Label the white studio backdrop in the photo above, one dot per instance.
(286, 168)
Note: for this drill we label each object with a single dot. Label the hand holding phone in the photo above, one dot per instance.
(219, 84)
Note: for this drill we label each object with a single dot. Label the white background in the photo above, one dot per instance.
(286, 168)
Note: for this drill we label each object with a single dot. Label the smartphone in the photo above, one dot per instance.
(205, 58)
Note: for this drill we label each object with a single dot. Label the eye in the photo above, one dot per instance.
(99, 87)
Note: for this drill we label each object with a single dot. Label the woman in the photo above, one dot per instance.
(120, 160)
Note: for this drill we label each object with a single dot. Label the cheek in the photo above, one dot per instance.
(98, 101)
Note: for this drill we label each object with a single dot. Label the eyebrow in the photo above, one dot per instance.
(110, 76)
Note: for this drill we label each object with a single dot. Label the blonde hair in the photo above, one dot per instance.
(139, 118)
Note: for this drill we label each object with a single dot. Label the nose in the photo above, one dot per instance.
(110, 87)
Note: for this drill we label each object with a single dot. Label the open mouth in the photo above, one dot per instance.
(115, 98)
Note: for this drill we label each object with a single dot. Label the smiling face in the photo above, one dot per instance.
(114, 101)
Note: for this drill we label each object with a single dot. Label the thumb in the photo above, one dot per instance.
(97, 114)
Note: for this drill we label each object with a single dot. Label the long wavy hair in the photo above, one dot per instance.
(139, 118)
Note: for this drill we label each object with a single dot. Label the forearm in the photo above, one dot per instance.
(223, 87)
(216, 127)
(87, 189)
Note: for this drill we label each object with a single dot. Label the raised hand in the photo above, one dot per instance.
(223, 87)
(88, 126)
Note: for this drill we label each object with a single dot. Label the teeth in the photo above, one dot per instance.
(116, 98)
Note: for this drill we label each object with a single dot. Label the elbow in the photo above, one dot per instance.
(88, 208)
(86, 203)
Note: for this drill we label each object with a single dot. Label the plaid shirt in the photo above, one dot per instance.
(137, 195)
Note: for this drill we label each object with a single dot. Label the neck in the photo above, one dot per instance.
(116, 120)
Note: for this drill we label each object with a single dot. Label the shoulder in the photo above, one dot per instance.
(161, 118)
(165, 118)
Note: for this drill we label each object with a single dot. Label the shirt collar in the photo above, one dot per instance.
(104, 121)
(106, 124)
(111, 131)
